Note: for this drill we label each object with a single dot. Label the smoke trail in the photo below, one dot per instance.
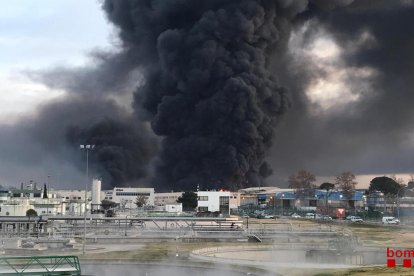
(208, 90)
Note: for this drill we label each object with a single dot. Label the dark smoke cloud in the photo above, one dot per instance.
(123, 149)
(208, 90)
(95, 109)
(374, 134)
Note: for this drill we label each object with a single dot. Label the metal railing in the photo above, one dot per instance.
(41, 265)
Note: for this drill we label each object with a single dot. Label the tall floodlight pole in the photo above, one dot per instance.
(86, 148)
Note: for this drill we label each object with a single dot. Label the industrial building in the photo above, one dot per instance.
(167, 198)
(214, 201)
(128, 196)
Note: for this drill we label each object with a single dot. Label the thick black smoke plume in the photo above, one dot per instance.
(208, 90)
(122, 150)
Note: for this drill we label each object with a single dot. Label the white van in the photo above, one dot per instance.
(390, 220)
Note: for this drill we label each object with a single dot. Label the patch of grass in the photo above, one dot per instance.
(367, 271)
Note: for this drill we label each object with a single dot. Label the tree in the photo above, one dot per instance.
(302, 181)
(346, 182)
(31, 213)
(108, 204)
(140, 201)
(189, 201)
(388, 186)
(384, 184)
(45, 191)
(327, 186)
(399, 180)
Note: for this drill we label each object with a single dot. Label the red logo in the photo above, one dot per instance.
(340, 212)
(405, 254)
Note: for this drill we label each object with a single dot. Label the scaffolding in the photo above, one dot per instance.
(40, 265)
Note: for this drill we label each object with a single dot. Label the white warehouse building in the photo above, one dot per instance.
(213, 201)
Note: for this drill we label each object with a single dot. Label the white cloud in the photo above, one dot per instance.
(333, 85)
(19, 95)
(40, 35)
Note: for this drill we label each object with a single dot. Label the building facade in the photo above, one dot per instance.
(166, 198)
(213, 201)
(127, 197)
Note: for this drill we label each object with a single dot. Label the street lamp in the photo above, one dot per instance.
(126, 224)
(86, 148)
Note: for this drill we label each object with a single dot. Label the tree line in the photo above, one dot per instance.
(304, 184)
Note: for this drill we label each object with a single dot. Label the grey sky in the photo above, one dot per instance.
(39, 35)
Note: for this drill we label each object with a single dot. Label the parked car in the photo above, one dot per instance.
(328, 218)
(390, 220)
(269, 216)
(310, 215)
(295, 216)
(356, 219)
(349, 217)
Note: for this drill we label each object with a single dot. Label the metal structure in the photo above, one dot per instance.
(41, 265)
(86, 148)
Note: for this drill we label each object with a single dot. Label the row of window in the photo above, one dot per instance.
(131, 194)
(223, 199)
(26, 195)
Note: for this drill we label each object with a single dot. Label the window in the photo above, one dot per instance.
(203, 198)
(224, 200)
